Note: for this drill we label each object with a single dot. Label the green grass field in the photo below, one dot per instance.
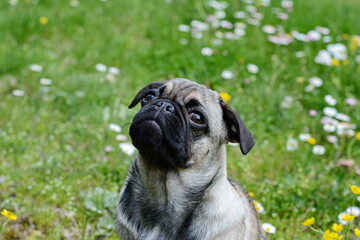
(61, 165)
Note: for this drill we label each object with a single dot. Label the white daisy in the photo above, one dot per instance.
(309, 88)
(287, 102)
(36, 68)
(13, 2)
(114, 70)
(18, 93)
(269, 29)
(201, 26)
(329, 111)
(259, 208)
(184, 28)
(342, 117)
(216, 42)
(239, 14)
(357, 58)
(121, 137)
(101, 67)
(313, 35)
(114, 127)
(240, 32)
(74, 3)
(329, 127)
(330, 100)
(327, 39)
(324, 58)
(108, 149)
(292, 144)
(338, 51)
(299, 54)
(45, 81)
(220, 14)
(218, 5)
(332, 139)
(318, 150)
(127, 148)
(183, 41)
(323, 30)
(355, 211)
(206, 51)
(252, 68)
(304, 137)
(226, 24)
(287, 4)
(227, 74)
(315, 81)
(269, 228)
(351, 101)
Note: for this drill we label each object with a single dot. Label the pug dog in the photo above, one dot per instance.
(177, 188)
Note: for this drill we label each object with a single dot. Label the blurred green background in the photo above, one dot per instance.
(61, 165)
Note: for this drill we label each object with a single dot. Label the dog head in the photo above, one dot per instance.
(181, 122)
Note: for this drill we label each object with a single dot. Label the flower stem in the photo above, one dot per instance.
(316, 230)
(348, 226)
(2, 225)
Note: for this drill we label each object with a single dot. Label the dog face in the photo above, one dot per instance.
(181, 122)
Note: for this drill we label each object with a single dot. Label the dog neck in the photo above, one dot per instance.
(172, 182)
(174, 194)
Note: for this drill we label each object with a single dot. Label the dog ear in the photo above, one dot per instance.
(144, 91)
(237, 131)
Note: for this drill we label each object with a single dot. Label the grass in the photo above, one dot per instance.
(54, 172)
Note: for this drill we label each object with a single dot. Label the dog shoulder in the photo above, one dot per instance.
(240, 189)
(243, 193)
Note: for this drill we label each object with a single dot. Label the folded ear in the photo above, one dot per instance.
(144, 91)
(237, 131)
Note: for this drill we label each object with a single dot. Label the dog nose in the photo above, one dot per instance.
(165, 106)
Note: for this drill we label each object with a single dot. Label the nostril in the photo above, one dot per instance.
(159, 104)
(170, 108)
(164, 106)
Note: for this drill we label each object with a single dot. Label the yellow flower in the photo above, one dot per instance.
(357, 232)
(337, 227)
(347, 217)
(312, 140)
(308, 222)
(346, 62)
(328, 235)
(8, 214)
(357, 136)
(355, 189)
(225, 96)
(251, 194)
(335, 62)
(43, 20)
(354, 43)
(241, 61)
(353, 46)
(355, 40)
(300, 80)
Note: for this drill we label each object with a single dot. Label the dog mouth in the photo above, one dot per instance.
(161, 138)
(153, 125)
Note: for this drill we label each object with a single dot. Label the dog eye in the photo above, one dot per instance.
(197, 118)
(150, 96)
